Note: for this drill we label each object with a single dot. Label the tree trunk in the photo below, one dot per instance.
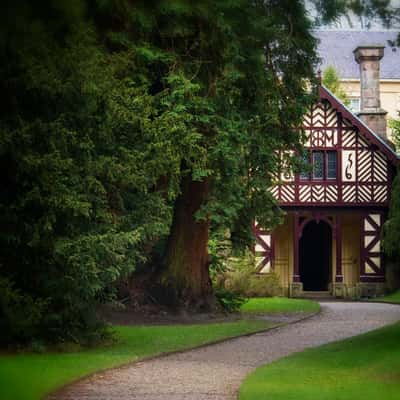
(186, 274)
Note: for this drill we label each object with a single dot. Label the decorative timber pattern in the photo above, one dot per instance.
(371, 263)
(264, 249)
(347, 185)
(362, 168)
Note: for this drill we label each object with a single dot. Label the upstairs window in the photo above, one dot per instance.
(354, 104)
(331, 165)
(305, 173)
(319, 165)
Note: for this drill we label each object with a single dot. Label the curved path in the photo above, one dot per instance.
(216, 371)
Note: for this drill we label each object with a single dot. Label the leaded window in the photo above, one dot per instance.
(306, 166)
(331, 165)
(319, 165)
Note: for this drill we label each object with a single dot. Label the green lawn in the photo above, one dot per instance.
(366, 367)
(390, 298)
(30, 376)
(278, 304)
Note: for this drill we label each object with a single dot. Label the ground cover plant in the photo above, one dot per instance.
(30, 376)
(236, 275)
(279, 305)
(364, 367)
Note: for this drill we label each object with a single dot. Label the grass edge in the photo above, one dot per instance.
(54, 393)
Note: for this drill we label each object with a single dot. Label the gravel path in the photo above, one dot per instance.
(216, 371)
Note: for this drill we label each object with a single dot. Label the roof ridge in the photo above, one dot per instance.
(335, 47)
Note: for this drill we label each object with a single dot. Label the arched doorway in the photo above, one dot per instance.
(315, 256)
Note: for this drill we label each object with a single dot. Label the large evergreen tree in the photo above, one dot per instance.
(126, 122)
(251, 72)
(84, 143)
(240, 70)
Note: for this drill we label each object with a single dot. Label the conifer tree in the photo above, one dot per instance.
(391, 245)
(331, 80)
(128, 122)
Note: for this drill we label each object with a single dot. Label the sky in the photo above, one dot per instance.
(357, 23)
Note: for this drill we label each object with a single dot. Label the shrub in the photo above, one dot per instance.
(229, 301)
(20, 315)
(264, 286)
(240, 278)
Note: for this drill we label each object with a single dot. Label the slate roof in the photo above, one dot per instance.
(336, 48)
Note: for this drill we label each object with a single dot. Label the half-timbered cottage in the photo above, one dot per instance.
(330, 240)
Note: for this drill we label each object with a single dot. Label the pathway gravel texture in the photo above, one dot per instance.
(215, 372)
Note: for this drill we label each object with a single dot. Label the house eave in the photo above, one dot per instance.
(369, 134)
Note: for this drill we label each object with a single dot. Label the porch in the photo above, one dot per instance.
(335, 252)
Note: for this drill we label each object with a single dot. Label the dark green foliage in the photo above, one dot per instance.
(366, 10)
(392, 225)
(229, 301)
(108, 105)
(395, 125)
(331, 80)
(391, 245)
(20, 316)
(239, 71)
(83, 148)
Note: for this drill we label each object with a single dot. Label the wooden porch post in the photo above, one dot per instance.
(296, 275)
(338, 228)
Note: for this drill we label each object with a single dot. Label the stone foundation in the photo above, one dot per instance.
(351, 292)
(296, 289)
(360, 290)
(342, 291)
(338, 290)
(371, 289)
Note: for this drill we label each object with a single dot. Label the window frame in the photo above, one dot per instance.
(310, 174)
(352, 100)
(327, 152)
(313, 154)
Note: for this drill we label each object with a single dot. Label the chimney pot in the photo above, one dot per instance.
(368, 57)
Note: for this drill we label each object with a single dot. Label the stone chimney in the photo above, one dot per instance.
(370, 108)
